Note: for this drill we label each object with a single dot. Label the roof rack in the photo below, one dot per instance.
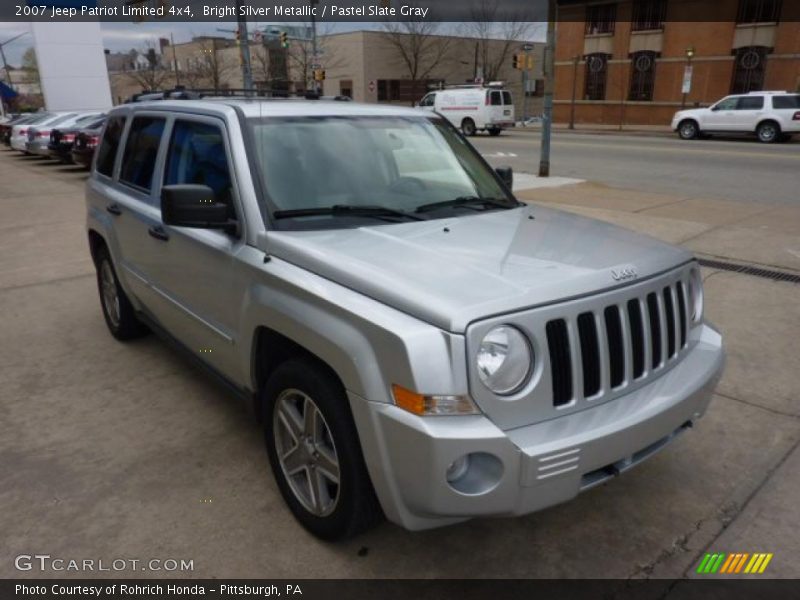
(770, 92)
(476, 86)
(183, 93)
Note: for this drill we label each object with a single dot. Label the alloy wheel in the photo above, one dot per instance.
(306, 452)
(108, 285)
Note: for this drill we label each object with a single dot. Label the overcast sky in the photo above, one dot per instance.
(121, 37)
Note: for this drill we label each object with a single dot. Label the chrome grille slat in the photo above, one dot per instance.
(602, 348)
(576, 359)
(662, 323)
(627, 344)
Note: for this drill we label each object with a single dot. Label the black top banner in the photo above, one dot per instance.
(365, 10)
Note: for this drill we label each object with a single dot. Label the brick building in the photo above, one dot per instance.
(625, 61)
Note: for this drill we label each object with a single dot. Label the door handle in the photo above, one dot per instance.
(114, 209)
(158, 232)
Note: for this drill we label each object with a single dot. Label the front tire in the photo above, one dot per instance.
(688, 129)
(768, 132)
(313, 448)
(118, 311)
(468, 127)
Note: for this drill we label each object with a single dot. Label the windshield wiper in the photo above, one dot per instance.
(347, 210)
(467, 201)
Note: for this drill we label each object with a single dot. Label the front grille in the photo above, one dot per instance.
(629, 340)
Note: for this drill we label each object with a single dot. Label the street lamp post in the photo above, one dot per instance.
(687, 76)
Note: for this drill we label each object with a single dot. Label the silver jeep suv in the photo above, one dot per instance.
(416, 342)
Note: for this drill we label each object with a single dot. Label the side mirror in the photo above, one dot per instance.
(189, 205)
(507, 175)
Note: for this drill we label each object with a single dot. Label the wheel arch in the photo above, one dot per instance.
(96, 241)
(270, 349)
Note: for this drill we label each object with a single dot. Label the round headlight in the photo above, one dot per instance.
(695, 296)
(504, 360)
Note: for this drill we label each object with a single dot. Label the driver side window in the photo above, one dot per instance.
(727, 104)
(197, 155)
(428, 100)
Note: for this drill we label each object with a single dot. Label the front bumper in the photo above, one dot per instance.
(529, 468)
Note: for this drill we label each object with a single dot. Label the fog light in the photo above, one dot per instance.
(457, 469)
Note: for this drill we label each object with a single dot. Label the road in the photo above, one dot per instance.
(739, 170)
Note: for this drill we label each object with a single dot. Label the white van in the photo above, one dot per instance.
(473, 107)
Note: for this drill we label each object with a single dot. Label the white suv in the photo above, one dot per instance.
(772, 116)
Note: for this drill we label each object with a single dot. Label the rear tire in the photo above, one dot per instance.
(313, 448)
(468, 127)
(118, 311)
(495, 131)
(688, 129)
(768, 132)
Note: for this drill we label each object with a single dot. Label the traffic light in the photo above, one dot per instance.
(516, 62)
(531, 62)
(238, 35)
(319, 74)
(284, 37)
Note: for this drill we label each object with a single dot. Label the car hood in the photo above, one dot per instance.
(451, 272)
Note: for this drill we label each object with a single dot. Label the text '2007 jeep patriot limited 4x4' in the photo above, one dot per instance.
(417, 343)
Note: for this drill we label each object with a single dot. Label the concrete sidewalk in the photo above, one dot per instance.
(596, 128)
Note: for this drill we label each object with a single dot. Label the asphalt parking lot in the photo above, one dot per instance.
(112, 450)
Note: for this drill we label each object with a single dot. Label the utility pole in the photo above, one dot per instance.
(549, 85)
(244, 48)
(314, 57)
(175, 61)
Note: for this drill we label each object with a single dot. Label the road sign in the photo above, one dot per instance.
(371, 86)
(687, 80)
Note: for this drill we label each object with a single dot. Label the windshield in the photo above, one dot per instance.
(367, 165)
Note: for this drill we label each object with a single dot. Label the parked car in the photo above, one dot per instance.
(5, 128)
(62, 138)
(770, 116)
(39, 135)
(18, 135)
(473, 108)
(86, 141)
(415, 341)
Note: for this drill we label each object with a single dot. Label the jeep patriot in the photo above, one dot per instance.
(416, 342)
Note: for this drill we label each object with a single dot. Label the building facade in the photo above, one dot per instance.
(638, 61)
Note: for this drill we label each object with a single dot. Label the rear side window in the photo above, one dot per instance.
(197, 155)
(750, 103)
(141, 149)
(497, 99)
(791, 102)
(107, 152)
(507, 99)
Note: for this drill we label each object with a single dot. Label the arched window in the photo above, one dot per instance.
(596, 75)
(748, 69)
(643, 75)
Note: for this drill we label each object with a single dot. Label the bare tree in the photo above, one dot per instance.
(210, 68)
(498, 33)
(30, 65)
(151, 76)
(301, 54)
(417, 48)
